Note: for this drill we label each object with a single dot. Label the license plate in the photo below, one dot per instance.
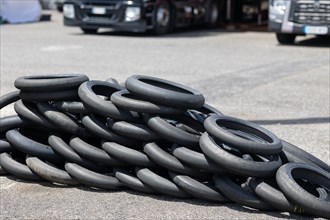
(315, 30)
(98, 10)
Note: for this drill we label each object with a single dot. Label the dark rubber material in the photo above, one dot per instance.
(236, 164)
(47, 83)
(31, 147)
(5, 146)
(62, 148)
(61, 120)
(93, 153)
(89, 93)
(11, 122)
(164, 92)
(49, 172)
(129, 101)
(29, 112)
(164, 159)
(17, 169)
(65, 95)
(160, 183)
(215, 123)
(91, 178)
(9, 98)
(128, 155)
(132, 181)
(286, 179)
(70, 107)
(99, 129)
(197, 189)
(132, 130)
(233, 191)
(197, 160)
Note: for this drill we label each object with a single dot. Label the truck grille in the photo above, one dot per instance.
(311, 12)
(109, 15)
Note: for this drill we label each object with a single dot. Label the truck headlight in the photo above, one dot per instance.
(132, 13)
(68, 11)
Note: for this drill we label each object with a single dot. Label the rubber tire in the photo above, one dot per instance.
(31, 147)
(128, 155)
(63, 149)
(93, 179)
(5, 146)
(271, 147)
(197, 160)
(9, 98)
(236, 193)
(65, 95)
(89, 94)
(49, 172)
(132, 130)
(285, 178)
(99, 129)
(50, 83)
(197, 189)
(164, 92)
(93, 153)
(285, 38)
(61, 120)
(166, 160)
(131, 102)
(11, 122)
(235, 164)
(160, 183)
(132, 181)
(29, 113)
(70, 107)
(17, 169)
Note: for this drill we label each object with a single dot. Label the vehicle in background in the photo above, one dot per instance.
(158, 16)
(59, 5)
(289, 18)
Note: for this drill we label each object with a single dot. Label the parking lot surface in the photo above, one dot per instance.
(244, 74)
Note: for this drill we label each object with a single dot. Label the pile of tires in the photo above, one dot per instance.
(157, 137)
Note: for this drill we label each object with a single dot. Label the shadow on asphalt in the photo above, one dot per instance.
(316, 120)
(321, 41)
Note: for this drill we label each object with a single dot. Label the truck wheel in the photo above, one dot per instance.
(89, 30)
(162, 18)
(211, 14)
(285, 38)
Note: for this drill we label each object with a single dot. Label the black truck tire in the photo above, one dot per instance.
(285, 38)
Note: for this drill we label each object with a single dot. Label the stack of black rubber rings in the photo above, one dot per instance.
(153, 136)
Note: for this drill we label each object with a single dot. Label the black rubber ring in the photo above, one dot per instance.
(129, 101)
(132, 130)
(236, 193)
(214, 123)
(197, 189)
(128, 155)
(65, 95)
(164, 92)
(70, 107)
(30, 113)
(160, 183)
(62, 148)
(17, 169)
(285, 178)
(130, 180)
(9, 98)
(49, 172)
(168, 161)
(11, 122)
(5, 146)
(236, 164)
(93, 179)
(89, 94)
(61, 120)
(93, 153)
(32, 147)
(99, 129)
(47, 83)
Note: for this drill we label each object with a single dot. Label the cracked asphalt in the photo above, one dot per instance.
(243, 73)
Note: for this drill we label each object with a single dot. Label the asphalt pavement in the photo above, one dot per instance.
(243, 73)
